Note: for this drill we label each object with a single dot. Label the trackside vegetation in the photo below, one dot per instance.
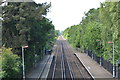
(24, 24)
(10, 63)
(97, 27)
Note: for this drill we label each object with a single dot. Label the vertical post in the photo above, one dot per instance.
(44, 51)
(100, 55)
(92, 56)
(100, 61)
(23, 63)
(117, 69)
(41, 54)
(113, 58)
(113, 62)
(34, 57)
(87, 51)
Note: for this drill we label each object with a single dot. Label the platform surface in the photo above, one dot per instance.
(97, 71)
(35, 73)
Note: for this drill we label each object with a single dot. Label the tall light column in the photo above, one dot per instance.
(113, 58)
(23, 61)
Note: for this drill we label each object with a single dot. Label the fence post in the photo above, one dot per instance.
(86, 52)
(100, 61)
(92, 55)
(117, 69)
(118, 62)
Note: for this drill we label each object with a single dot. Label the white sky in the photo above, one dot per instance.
(65, 13)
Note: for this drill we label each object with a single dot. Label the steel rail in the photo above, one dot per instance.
(63, 67)
(79, 70)
(81, 73)
(66, 65)
(55, 61)
(69, 66)
(84, 68)
(40, 74)
(62, 71)
(80, 64)
(62, 64)
(63, 60)
(73, 60)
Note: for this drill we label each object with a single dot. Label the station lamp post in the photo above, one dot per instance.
(23, 61)
(100, 51)
(113, 58)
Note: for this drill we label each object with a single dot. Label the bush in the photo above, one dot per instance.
(11, 64)
(1, 72)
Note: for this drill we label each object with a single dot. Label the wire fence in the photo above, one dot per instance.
(119, 73)
(105, 63)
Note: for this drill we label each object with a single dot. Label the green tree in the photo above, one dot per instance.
(102, 24)
(26, 24)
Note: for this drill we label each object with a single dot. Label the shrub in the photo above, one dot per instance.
(11, 64)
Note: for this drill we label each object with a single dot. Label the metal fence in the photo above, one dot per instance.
(119, 73)
(105, 63)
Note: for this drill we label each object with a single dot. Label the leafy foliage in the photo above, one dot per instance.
(19, 20)
(26, 24)
(10, 64)
(98, 24)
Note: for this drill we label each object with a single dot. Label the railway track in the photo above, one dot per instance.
(66, 65)
(82, 73)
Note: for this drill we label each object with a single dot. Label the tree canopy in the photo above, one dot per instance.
(25, 23)
(98, 24)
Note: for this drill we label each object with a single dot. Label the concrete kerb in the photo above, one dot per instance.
(47, 67)
(85, 66)
(39, 76)
(42, 71)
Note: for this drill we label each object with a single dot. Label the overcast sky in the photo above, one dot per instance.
(65, 13)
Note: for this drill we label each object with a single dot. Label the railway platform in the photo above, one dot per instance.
(42, 68)
(96, 71)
